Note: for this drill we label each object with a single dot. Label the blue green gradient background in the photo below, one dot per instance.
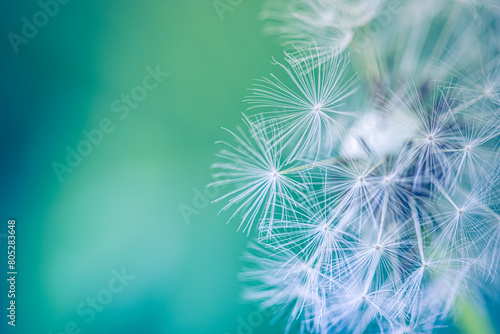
(120, 207)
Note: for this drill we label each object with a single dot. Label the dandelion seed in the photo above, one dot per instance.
(253, 167)
(332, 24)
(305, 110)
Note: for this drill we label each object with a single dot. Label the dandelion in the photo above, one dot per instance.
(376, 206)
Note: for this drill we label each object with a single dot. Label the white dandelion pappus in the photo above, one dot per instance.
(475, 8)
(331, 24)
(254, 168)
(432, 133)
(350, 187)
(282, 282)
(434, 264)
(298, 23)
(460, 217)
(392, 189)
(353, 13)
(354, 309)
(305, 111)
(316, 236)
(480, 83)
(490, 205)
(414, 326)
(473, 152)
(375, 256)
(475, 75)
(380, 133)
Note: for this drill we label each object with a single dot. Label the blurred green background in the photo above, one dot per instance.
(120, 208)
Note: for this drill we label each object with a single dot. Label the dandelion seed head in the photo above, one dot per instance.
(377, 206)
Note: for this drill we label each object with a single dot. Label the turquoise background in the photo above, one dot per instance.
(121, 206)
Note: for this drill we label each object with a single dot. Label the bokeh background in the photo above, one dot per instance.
(121, 207)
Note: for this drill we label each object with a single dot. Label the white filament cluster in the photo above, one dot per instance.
(376, 195)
